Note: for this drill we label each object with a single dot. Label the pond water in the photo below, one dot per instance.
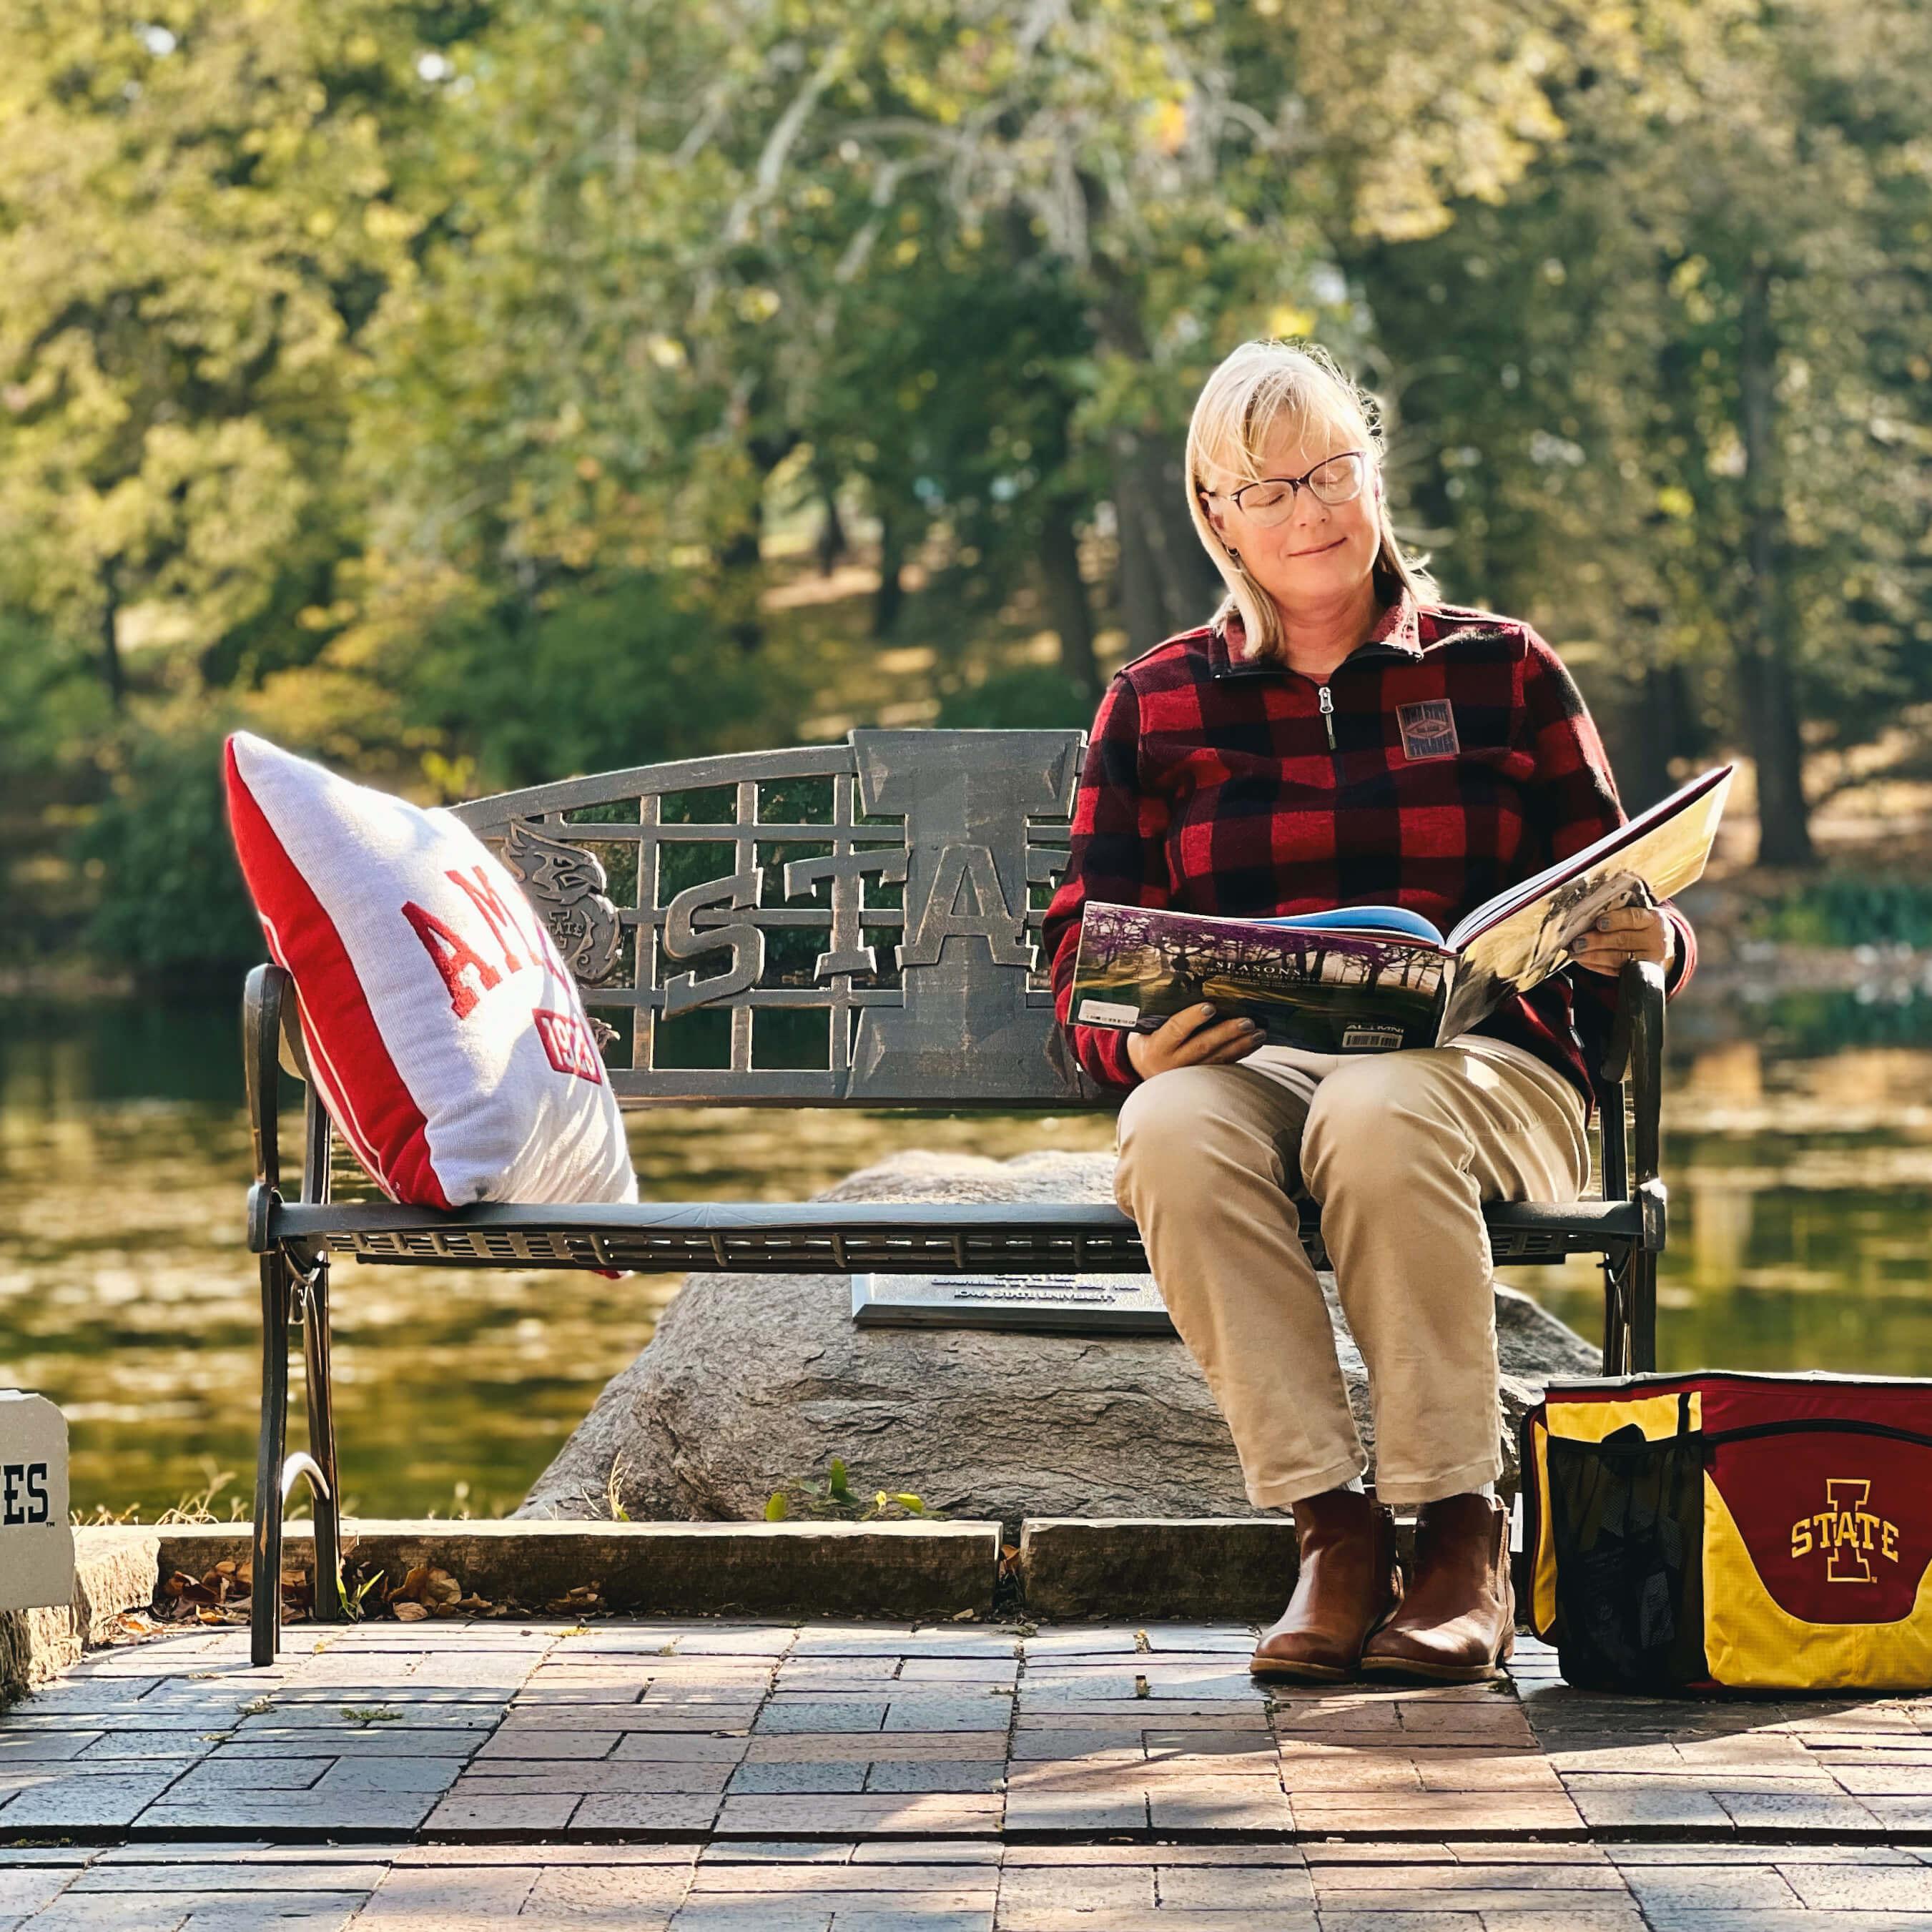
(1800, 1170)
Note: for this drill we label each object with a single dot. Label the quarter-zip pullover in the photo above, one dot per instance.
(1449, 756)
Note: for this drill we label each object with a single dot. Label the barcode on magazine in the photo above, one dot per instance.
(1107, 1012)
(1370, 1039)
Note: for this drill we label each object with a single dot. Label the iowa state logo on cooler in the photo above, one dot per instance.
(1846, 1533)
(36, 1536)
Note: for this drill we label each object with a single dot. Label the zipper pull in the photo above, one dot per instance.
(1325, 700)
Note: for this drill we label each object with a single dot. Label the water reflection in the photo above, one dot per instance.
(1801, 1200)
(1800, 1186)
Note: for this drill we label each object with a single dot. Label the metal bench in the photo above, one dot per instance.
(835, 925)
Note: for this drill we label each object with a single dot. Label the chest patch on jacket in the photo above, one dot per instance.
(1428, 730)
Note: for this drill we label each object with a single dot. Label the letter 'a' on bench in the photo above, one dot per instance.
(854, 924)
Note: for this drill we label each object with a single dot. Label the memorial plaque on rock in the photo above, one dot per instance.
(1080, 1304)
(36, 1537)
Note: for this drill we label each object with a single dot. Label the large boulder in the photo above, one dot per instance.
(754, 1382)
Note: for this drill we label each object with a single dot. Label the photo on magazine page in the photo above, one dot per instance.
(1326, 991)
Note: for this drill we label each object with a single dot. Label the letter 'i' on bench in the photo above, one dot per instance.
(836, 926)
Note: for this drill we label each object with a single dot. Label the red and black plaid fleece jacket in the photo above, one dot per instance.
(1210, 786)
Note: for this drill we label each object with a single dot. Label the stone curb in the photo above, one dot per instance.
(909, 1570)
(114, 1569)
(1197, 1569)
(1071, 1569)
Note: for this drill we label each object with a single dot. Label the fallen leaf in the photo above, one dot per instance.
(410, 1589)
(409, 1613)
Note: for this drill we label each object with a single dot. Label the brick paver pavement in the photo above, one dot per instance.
(861, 1777)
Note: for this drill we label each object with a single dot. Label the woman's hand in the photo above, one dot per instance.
(1189, 1039)
(1628, 932)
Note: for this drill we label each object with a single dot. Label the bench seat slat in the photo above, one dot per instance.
(840, 1237)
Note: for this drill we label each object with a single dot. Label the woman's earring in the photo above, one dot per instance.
(1234, 557)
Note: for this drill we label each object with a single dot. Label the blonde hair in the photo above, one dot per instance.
(1260, 386)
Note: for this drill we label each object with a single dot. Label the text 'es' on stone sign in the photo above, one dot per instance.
(36, 1535)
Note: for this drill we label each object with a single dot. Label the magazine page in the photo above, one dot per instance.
(1523, 948)
(1324, 990)
(1491, 912)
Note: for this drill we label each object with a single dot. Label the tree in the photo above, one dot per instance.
(194, 227)
(677, 248)
(1665, 397)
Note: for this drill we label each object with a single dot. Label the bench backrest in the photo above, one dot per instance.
(853, 924)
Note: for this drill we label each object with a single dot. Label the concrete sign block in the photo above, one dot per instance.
(36, 1536)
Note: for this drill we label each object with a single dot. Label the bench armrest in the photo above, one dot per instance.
(272, 1046)
(264, 1000)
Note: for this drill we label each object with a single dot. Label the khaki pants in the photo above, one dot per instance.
(1399, 1150)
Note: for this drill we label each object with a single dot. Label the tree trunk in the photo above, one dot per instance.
(741, 556)
(1166, 582)
(1765, 678)
(112, 672)
(1067, 609)
(743, 552)
(1658, 712)
(890, 599)
(833, 544)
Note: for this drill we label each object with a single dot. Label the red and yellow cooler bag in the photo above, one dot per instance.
(1732, 1531)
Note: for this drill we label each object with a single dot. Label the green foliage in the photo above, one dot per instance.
(834, 1499)
(1033, 697)
(1846, 910)
(170, 901)
(1670, 395)
(1804, 1025)
(354, 1600)
(51, 699)
(431, 387)
(626, 673)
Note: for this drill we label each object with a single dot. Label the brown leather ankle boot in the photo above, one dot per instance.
(1457, 1622)
(1348, 1581)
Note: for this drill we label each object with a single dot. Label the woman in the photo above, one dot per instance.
(1292, 756)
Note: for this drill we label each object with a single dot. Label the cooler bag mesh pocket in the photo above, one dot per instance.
(1626, 1522)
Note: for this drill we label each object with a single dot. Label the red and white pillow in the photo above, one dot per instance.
(447, 1038)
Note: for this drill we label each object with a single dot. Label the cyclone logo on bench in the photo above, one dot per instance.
(567, 885)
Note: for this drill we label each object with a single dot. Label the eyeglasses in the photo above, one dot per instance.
(1270, 499)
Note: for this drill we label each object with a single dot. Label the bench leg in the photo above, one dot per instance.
(1640, 1302)
(1618, 1341)
(319, 1395)
(265, 1609)
(287, 1292)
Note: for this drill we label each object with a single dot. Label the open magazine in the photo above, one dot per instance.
(1370, 979)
